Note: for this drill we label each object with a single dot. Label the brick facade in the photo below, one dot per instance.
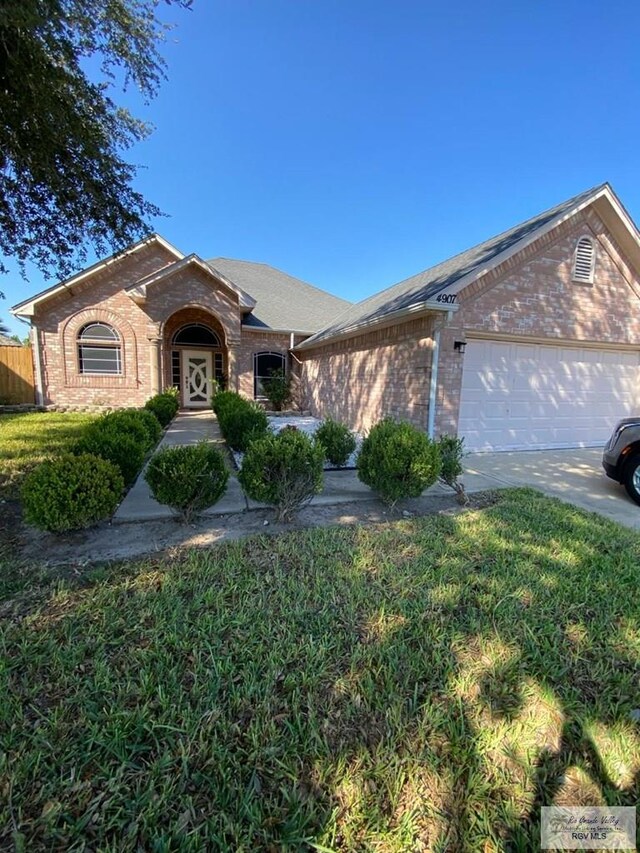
(387, 371)
(531, 296)
(146, 329)
(99, 298)
(362, 379)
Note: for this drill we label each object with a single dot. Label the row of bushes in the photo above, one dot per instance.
(396, 460)
(86, 484)
(243, 422)
(285, 470)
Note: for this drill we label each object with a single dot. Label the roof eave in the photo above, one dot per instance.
(268, 330)
(417, 309)
(138, 291)
(26, 308)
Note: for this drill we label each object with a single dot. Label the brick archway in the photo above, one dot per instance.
(178, 356)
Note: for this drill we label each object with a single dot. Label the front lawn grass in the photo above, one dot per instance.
(27, 439)
(427, 685)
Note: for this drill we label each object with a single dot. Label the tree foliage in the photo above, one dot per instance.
(63, 182)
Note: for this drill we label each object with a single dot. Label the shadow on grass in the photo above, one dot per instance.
(428, 685)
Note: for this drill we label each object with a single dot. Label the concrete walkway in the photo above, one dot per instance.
(186, 428)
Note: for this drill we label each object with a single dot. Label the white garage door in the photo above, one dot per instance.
(523, 396)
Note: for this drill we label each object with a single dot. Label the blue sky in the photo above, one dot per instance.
(355, 143)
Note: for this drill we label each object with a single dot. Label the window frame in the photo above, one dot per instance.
(258, 378)
(113, 344)
(176, 343)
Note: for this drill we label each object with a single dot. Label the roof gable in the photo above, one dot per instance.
(138, 290)
(27, 307)
(458, 272)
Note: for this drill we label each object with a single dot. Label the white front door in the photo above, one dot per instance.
(522, 396)
(197, 373)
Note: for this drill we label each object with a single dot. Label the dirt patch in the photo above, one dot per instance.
(107, 542)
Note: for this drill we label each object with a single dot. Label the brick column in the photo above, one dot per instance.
(155, 363)
(232, 364)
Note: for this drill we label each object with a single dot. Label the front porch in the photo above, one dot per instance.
(195, 354)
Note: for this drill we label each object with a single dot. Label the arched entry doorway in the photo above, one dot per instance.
(197, 356)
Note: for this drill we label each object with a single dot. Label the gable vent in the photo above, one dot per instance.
(584, 261)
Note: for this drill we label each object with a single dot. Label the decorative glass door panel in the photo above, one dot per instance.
(197, 376)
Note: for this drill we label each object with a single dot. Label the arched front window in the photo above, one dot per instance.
(99, 349)
(584, 260)
(196, 335)
(264, 365)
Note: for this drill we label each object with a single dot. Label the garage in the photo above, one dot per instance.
(523, 396)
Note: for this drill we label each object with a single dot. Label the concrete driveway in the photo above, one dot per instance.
(575, 476)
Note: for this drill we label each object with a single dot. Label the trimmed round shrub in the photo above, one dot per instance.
(71, 492)
(398, 461)
(283, 470)
(141, 425)
(164, 406)
(124, 450)
(188, 478)
(225, 399)
(337, 440)
(117, 425)
(149, 421)
(241, 423)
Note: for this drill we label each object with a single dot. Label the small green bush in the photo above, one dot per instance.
(451, 452)
(398, 461)
(71, 492)
(189, 478)
(140, 424)
(241, 423)
(337, 440)
(164, 406)
(123, 450)
(277, 388)
(283, 470)
(225, 399)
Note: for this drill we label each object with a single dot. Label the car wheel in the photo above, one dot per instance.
(632, 478)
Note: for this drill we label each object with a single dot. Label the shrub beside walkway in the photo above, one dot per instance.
(186, 428)
(190, 427)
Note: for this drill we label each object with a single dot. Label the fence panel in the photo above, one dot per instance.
(16, 375)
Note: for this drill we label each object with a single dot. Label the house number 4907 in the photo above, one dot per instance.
(449, 298)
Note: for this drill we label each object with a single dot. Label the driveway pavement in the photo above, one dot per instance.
(572, 475)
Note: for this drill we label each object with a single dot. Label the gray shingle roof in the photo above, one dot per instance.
(282, 301)
(426, 285)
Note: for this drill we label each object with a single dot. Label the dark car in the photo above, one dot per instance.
(621, 457)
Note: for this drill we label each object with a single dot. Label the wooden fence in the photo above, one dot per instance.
(16, 375)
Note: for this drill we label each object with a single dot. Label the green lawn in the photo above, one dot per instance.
(26, 440)
(427, 685)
